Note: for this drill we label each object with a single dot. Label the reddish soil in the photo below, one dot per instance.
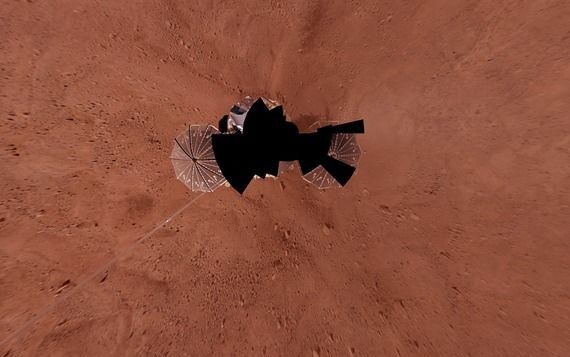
(451, 240)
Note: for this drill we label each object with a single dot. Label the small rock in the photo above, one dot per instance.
(385, 208)
(63, 286)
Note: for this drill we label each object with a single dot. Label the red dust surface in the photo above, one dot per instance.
(451, 240)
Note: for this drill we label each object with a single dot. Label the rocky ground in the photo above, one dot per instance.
(451, 240)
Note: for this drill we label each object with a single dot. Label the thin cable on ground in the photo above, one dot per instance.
(48, 309)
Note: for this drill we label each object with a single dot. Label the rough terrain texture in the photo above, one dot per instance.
(451, 240)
